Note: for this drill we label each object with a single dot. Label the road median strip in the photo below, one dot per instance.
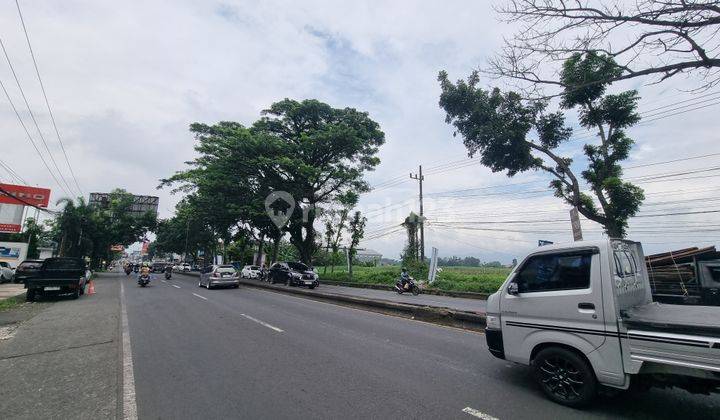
(437, 315)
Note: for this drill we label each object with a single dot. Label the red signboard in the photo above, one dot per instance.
(10, 228)
(24, 195)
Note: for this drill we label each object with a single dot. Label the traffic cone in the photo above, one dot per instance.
(91, 288)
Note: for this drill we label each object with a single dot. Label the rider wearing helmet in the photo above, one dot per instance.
(404, 277)
(145, 270)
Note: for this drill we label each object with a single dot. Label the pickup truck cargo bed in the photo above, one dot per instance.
(660, 317)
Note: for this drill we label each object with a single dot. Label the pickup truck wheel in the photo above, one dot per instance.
(565, 377)
(30, 296)
(76, 293)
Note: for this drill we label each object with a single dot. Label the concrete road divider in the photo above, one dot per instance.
(438, 315)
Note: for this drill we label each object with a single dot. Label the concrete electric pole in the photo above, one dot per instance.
(419, 177)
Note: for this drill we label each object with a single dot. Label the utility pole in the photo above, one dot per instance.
(187, 230)
(419, 177)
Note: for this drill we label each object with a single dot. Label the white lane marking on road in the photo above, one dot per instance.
(201, 297)
(479, 414)
(176, 286)
(163, 281)
(264, 324)
(129, 405)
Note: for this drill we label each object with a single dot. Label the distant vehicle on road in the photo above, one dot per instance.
(219, 276)
(293, 274)
(251, 272)
(583, 317)
(7, 273)
(27, 269)
(185, 267)
(158, 266)
(57, 276)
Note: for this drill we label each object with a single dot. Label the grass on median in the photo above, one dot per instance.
(456, 279)
(11, 302)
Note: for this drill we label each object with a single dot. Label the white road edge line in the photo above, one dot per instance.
(129, 405)
(176, 286)
(201, 297)
(264, 324)
(479, 414)
(163, 281)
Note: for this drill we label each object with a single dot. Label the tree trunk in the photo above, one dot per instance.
(276, 248)
(261, 246)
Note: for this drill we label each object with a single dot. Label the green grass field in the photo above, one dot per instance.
(457, 279)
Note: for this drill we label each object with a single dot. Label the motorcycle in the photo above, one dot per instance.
(143, 280)
(167, 275)
(410, 286)
(128, 270)
(136, 269)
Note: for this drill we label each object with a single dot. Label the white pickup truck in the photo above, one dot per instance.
(582, 316)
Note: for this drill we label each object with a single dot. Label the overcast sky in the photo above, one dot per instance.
(125, 80)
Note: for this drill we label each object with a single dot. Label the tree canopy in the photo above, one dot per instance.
(657, 39)
(308, 149)
(513, 134)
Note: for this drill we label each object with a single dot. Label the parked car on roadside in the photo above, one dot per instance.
(251, 272)
(7, 273)
(293, 274)
(58, 276)
(219, 276)
(27, 269)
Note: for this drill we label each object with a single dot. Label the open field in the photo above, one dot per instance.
(458, 279)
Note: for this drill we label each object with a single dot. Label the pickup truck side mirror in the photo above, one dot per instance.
(512, 289)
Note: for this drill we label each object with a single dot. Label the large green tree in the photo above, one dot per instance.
(516, 135)
(312, 151)
(326, 151)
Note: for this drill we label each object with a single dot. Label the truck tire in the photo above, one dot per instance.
(565, 377)
(30, 295)
(76, 293)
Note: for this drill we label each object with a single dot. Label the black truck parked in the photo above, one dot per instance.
(58, 276)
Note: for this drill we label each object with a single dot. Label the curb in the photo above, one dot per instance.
(437, 315)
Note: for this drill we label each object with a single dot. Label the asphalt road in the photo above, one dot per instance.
(463, 304)
(248, 353)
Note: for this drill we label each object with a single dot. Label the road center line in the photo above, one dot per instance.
(201, 297)
(264, 324)
(129, 405)
(176, 286)
(479, 414)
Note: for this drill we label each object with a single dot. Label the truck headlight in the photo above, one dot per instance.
(492, 322)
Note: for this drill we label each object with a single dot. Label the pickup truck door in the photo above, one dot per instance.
(558, 299)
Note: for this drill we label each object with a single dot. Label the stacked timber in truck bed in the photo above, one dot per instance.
(683, 276)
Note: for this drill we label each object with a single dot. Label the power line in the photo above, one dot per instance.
(13, 174)
(47, 103)
(17, 114)
(32, 115)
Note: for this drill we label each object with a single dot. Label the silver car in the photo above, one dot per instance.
(219, 276)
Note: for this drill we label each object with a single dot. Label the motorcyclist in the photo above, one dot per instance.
(404, 277)
(168, 271)
(145, 269)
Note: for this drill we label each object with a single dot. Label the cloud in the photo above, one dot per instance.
(125, 81)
